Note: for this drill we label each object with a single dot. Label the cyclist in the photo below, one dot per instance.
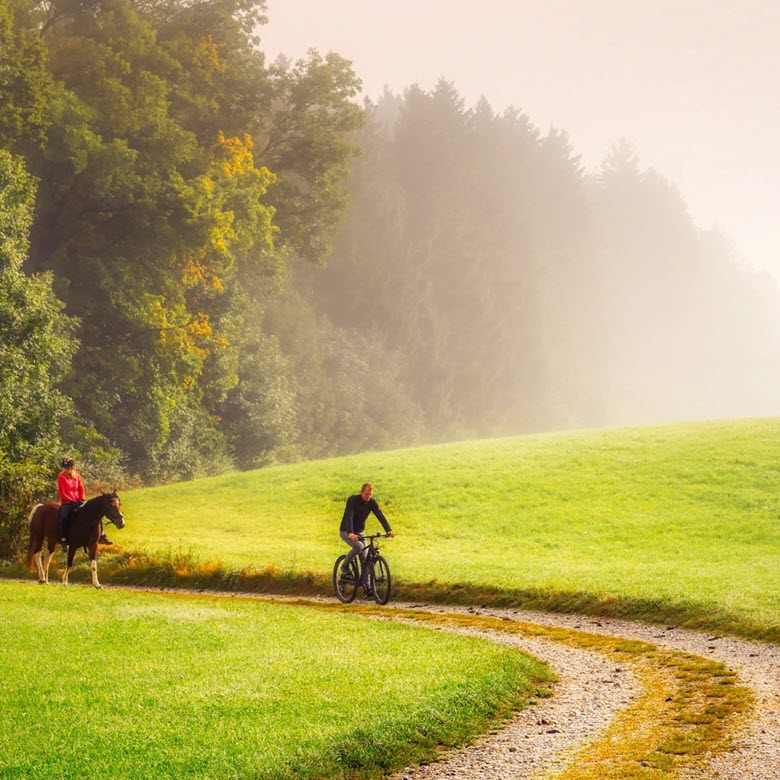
(353, 526)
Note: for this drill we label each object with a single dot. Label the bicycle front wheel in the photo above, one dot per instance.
(381, 580)
(345, 585)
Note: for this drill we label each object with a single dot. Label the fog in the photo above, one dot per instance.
(570, 279)
(693, 85)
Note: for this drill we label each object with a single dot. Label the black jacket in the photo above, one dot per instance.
(356, 512)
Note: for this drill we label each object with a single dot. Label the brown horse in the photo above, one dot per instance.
(85, 528)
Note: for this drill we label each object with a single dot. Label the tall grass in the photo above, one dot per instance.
(122, 684)
(677, 522)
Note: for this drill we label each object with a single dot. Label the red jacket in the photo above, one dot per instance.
(71, 488)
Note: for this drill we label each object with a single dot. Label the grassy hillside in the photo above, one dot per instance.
(131, 685)
(677, 522)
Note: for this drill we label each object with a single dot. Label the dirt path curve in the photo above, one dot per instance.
(538, 739)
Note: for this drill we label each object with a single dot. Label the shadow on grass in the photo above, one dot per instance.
(180, 569)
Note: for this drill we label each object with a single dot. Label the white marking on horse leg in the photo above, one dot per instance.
(65, 575)
(39, 566)
(93, 566)
(46, 562)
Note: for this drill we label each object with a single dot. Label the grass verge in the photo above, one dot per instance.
(138, 685)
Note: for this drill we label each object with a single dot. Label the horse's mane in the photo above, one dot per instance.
(93, 501)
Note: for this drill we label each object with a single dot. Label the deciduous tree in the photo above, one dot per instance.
(36, 346)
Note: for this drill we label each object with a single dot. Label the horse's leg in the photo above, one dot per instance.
(39, 567)
(46, 562)
(37, 534)
(51, 537)
(68, 563)
(93, 564)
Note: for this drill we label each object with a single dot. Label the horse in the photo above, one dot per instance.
(85, 528)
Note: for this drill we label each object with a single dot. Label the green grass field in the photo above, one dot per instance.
(677, 522)
(131, 685)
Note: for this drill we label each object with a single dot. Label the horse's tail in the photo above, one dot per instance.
(31, 548)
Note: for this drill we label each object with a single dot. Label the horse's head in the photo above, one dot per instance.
(112, 509)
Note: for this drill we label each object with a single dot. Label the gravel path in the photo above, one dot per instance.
(591, 691)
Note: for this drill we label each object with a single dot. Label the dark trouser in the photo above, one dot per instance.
(66, 515)
(358, 548)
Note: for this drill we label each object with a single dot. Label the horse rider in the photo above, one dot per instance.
(72, 496)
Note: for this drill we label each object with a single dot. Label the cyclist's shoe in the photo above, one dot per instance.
(346, 576)
(369, 592)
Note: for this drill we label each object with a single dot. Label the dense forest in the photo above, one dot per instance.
(513, 291)
(212, 261)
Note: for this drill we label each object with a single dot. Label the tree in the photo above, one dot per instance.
(36, 346)
(307, 143)
(177, 166)
(25, 85)
(141, 221)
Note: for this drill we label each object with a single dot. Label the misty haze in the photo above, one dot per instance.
(509, 290)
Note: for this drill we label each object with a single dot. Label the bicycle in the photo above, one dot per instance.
(377, 575)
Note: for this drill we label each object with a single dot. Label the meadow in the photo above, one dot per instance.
(678, 522)
(139, 685)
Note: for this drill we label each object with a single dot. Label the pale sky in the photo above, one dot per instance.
(692, 84)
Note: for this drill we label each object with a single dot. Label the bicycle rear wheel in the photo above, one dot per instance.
(381, 581)
(346, 588)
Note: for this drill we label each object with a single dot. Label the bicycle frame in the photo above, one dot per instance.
(372, 549)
